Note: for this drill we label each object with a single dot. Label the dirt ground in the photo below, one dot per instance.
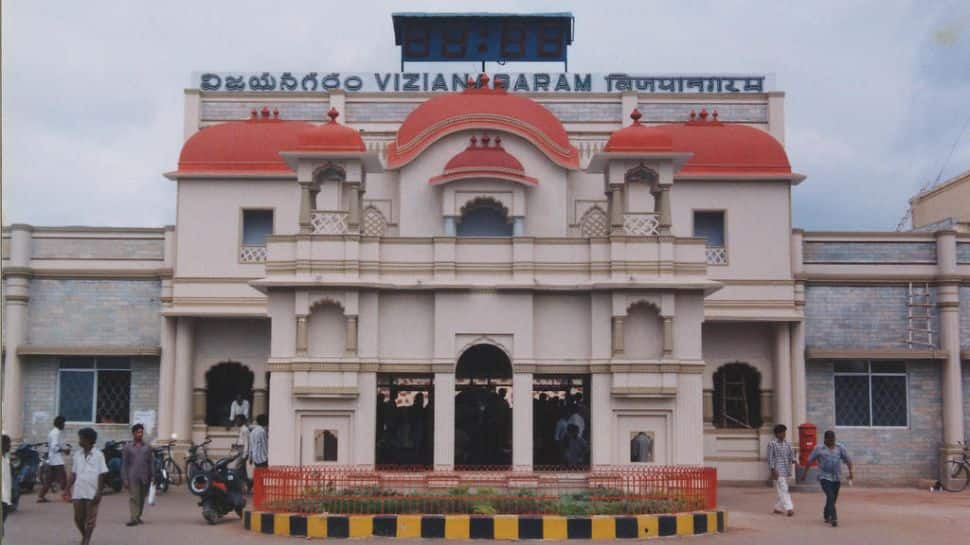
(877, 516)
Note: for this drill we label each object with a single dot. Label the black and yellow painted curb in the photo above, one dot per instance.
(486, 526)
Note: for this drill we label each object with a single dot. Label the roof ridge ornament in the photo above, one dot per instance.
(635, 115)
(333, 114)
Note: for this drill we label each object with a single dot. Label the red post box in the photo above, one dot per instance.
(807, 439)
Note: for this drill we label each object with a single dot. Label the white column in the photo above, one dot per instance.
(518, 226)
(444, 421)
(783, 386)
(799, 397)
(182, 383)
(948, 302)
(601, 407)
(365, 423)
(449, 226)
(17, 294)
(166, 379)
(522, 420)
(284, 430)
(16, 310)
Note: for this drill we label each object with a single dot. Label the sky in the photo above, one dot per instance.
(877, 93)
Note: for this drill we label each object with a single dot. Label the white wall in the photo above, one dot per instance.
(222, 339)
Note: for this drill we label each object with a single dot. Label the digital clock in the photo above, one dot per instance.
(494, 37)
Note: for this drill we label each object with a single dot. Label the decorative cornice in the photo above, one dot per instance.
(865, 353)
(326, 392)
(643, 392)
(51, 350)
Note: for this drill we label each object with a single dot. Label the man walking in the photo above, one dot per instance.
(830, 456)
(781, 458)
(137, 472)
(87, 482)
(258, 445)
(55, 460)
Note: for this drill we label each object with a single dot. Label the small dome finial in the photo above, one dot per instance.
(693, 115)
(483, 80)
(635, 115)
(714, 115)
(498, 141)
(485, 140)
(276, 113)
(254, 113)
(265, 112)
(703, 114)
(333, 114)
(473, 142)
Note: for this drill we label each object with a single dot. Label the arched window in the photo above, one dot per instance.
(484, 218)
(594, 223)
(737, 396)
(223, 382)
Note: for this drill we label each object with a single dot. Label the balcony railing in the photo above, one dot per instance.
(252, 254)
(717, 255)
(641, 224)
(329, 222)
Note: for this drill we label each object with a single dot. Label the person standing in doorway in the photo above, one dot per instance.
(240, 406)
(258, 443)
(87, 482)
(781, 459)
(7, 478)
(137, 472)
(831, 456)
(55, 460)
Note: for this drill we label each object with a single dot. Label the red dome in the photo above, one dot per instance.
(721, 148)
(481, 108)
(331, 136)
(484, 162)
(638, 137)
(251, 146)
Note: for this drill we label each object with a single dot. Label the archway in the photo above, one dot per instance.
(737, 396)
(483, 408)
(222, 383)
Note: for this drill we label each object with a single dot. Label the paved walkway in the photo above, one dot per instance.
(868, 516)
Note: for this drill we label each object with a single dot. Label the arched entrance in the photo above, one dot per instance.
(483, 408)
(222, 383)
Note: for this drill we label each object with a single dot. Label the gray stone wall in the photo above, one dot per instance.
(97, 248)
(966, 400)
(680, 112)
(965, 321)
(963, 252)
(886, 456)
(315, 110)
(93, 312)
(392, 112)
(40, 399)
(859, 317)
(869, 252)
(582, 112)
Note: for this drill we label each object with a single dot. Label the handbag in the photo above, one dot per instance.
(151, 494)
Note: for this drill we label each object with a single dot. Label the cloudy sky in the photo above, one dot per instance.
(877, 92)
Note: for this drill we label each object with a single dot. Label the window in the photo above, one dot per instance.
(561, 422)
(737, 396)
(710, 225)
(484, 219)
(257, 225)
(405, 420)
(95, 390)
(871, 394)
(325, 446)
(641, 447)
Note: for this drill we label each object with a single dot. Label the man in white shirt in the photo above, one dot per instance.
(87, 482)
(239, 407)
(258, 444)
(55, 460)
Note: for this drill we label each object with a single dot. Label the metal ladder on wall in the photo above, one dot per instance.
(919, 317)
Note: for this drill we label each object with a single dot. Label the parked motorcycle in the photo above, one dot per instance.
(112, 459)
(220, 490)
(24, 463)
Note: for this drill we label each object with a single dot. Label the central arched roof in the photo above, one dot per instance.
(476, 108)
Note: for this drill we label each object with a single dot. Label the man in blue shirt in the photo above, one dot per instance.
(830, 456)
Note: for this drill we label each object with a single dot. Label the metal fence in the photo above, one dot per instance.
(602, 490)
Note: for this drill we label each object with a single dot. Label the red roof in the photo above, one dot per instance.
(726, 148)
(250, 146)
(330, 136)
(484, 162)
(638, 137)
(481, 107)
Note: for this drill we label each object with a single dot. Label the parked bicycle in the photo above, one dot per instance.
(167, 470)
(957, 472)
(198, 460)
